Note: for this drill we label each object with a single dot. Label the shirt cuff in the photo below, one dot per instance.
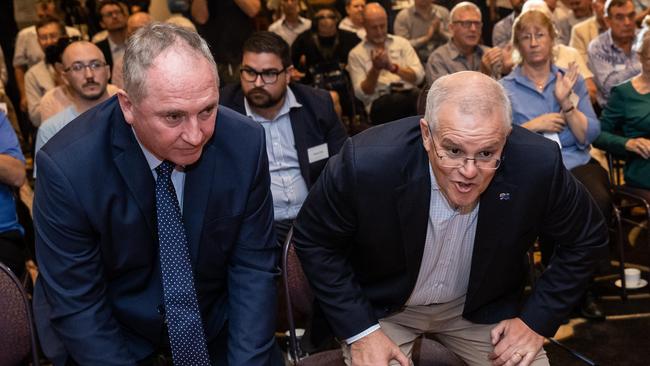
(355, 338)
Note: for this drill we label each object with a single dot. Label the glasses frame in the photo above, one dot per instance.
(529, 37)
(464, 159)
(92, 66)
(259, 74)
(467, 24)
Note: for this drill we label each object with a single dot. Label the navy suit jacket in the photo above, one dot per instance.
(98, 299)
(361, 231)
(313, 124)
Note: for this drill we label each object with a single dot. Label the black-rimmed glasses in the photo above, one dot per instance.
(268, 76)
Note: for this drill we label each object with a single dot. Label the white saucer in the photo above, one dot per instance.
(641, 283)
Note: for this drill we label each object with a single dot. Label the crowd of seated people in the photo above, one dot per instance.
(575, 71)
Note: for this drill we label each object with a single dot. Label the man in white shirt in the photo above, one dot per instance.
(384, 65)
(290, 24)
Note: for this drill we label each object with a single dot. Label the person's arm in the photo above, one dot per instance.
(19, 72)
(199, 11)
(250, 7)
(71, 272)
(12, 162)
(575, 117)
(252, 274)
(32, 93)
(409, 67)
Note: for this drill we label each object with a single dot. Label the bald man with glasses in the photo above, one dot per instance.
(302, 129)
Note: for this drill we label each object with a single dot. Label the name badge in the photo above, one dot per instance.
(317, 153)
(620, 67)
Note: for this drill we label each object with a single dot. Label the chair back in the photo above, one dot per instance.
(16, 327)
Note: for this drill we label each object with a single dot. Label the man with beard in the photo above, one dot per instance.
(113, 19)
(302, 128)
(42, 76)
(86, 74)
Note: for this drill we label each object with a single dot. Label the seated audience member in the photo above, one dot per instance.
(353, 22)
(42, 76)
(611, 58)
(385, 70)
(113, 15)
(463, 51)
(12, 176)
(625, 123)
(28, 51)
(135, 22)
(85, 74)
(290, 24)
(555, 102)
(580, 10)
(302, 128)
(155, 241)
(584, 32)
(403, 233)
(60, 98)
(502, 31)
(425, 25)
(563, 55)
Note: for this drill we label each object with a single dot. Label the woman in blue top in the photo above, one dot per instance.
(555, 102)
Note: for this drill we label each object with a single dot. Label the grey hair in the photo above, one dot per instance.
(472, 92)
(642, 40)
(462, 6)
(149, 42)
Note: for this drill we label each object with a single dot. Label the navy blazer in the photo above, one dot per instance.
(361, 231)
(98, 298)
(313, 124)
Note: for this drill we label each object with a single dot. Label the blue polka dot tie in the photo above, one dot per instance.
(181, 306)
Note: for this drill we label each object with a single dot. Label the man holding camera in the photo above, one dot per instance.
(302, 128)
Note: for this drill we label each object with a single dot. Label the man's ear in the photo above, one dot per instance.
(126, 104)
(287, 74)
(426, 134)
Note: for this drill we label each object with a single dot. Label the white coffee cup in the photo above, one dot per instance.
(632, 277)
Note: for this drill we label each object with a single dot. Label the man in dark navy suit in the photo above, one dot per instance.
(155, 206)
(423, 226)
(302, 129)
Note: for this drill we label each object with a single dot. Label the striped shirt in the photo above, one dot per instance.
(447, 257)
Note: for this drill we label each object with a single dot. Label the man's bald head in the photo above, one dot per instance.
(137, 21)
(472, 93)
(375, 21)
(85, 70)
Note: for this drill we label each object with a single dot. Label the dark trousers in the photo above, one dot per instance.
(13, 252)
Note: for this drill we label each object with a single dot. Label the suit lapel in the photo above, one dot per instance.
(198, 181)
(494, 212)
(300, 136)
(133, 167)
(413, 209)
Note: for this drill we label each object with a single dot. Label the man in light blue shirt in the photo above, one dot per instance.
(611, 58)
(86, 74)
(302, 129)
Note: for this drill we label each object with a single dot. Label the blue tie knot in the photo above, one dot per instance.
(165, 168)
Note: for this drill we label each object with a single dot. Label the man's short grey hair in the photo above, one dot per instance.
(472, 92)
(463, 5)
(149, 42)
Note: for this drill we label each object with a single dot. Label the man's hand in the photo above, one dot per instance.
(514, 343)
(376, 349)
(548, 122)
(639, 146)
(380, 59)
(492, 62)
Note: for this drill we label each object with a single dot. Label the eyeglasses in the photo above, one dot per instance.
(79, 67)
(453, 158)
(111, 14)
(467, 24)
(529, 37)
(268, 76)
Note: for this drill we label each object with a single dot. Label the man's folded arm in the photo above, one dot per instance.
(252, 273)
(71, 273)
(322, 231)
(574, 223)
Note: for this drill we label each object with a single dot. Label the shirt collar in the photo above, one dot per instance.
(520, 78)
(289, 102)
